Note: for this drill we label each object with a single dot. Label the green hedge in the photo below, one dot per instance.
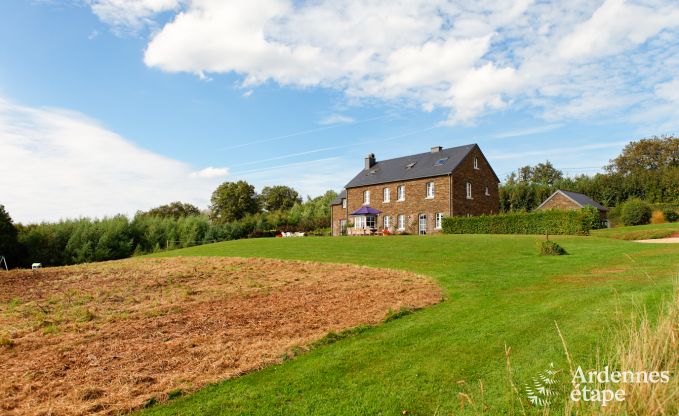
(573, 222)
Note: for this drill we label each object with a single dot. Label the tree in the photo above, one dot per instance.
(540, 174)
(9, 245)
(233, 201)
(279, 198)
(652, 154)
(174, 210)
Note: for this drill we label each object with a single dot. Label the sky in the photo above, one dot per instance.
(114, 106)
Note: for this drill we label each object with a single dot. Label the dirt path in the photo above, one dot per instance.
(670, 240)
(108, 337)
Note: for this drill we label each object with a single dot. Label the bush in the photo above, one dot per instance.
(550, 248)
(635, 212)
(573, 222)
(670, 215)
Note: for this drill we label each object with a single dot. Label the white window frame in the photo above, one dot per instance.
(438, 220)
(401, 193)
(386, 222)
(430, 190)
(359, 222)
(469, 190)
(344, 202)
(386, 195)
(366, 197)
(401, 222)
(487, 191)
(476, 162)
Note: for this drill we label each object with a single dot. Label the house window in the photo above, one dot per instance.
(401, 193)
(469, 190)
(487, 191)
(430, 189)
(439, 220)
(401, 222)
(476, 163)
(344, 202)
(366, 197)
(387, 194)
(387, 222)
(359, 222)
(370, 222)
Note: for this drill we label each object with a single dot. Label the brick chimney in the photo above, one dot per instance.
(436, 149)
(370, 161)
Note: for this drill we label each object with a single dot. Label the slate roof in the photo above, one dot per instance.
(580, 199)
(338, 200)
(423, 165)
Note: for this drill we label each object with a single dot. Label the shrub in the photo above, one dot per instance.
(670, 215)
(657, 217)
(635, 212)
(573, 222)
(550, 248)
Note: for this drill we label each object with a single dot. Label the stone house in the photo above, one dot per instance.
(412, 194)
(572, 200)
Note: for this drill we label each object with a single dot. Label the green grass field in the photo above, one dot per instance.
(499, 292)
(640, 232)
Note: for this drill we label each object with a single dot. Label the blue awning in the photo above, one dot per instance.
(366, 211)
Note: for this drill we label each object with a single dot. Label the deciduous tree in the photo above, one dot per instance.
(279, 198)
(233, 201)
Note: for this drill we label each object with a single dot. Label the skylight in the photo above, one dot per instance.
(441, 161)
(410, 165)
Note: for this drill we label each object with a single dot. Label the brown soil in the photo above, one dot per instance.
(105, 338)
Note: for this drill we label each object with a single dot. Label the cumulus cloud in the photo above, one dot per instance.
(560, 59)
(58, 164)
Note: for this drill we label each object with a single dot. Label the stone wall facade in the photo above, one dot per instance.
(414, 203)
(560, 201)
(338, 214)
(480, 179)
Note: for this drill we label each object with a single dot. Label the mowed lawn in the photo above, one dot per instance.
(499, 292)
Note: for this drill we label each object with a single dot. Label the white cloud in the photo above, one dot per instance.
(615, 26)
(336, 119)
(561, 59)
(127, 16)
(210, 172)
(58, 164)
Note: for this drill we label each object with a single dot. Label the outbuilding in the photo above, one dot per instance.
(572, 200)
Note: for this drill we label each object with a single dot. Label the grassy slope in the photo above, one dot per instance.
(499, 292)
(639, 232)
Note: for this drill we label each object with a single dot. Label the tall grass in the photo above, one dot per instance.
(650, 347)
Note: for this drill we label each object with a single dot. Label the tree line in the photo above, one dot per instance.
(647, 169)
(236, 211)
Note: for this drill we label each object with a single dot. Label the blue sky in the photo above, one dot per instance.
(111, 106)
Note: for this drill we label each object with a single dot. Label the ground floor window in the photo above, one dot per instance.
(343, 226)
(401, 222)
(439, 220)
(359, 222)
(387, 222)
(370, 222)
